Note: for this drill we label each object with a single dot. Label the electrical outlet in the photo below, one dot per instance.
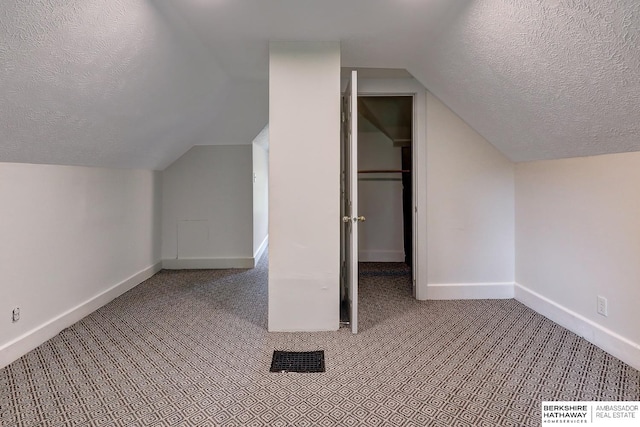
(15, 314)
(602, 306)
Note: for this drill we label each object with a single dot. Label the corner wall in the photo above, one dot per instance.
(577, 237)
(207, 212)
(73, 238)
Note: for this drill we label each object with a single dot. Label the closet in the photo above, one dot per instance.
(385, 129)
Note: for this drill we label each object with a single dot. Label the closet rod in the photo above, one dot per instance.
(386, 171)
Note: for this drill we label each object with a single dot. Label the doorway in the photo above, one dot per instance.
(384, 193)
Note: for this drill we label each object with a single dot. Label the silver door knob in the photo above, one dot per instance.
(346, 218)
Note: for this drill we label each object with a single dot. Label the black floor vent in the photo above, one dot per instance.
(297, 361)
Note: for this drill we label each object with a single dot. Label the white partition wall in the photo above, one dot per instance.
(304, 186)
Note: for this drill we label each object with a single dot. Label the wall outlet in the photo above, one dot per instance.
(15, 314)
(602, 306)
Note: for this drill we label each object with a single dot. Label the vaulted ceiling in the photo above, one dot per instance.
(136, 83)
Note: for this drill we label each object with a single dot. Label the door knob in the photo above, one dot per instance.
(346, 218)
(360, 218)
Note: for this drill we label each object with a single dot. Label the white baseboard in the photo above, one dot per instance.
(261, 249)
(614, 344)
(448, 291)
(20, 346)
(207, 263)
(381, 256)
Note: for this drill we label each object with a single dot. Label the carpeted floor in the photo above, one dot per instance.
(190, 348)
(383, 269)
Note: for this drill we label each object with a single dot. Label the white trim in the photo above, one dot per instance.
(609, 341)
(381, 256)
(20, 346)
(448, 291)
(207, 263)
(260, 251)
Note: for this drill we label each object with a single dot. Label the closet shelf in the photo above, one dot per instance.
(386, 171)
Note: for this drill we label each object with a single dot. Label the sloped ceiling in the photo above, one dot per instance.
(114, 83)
(135, 83)
(391, 115)
(544, 79)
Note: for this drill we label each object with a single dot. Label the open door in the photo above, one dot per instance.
(350, 218)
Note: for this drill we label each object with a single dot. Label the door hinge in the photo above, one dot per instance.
(343, 118)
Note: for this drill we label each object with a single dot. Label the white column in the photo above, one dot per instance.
(304, 186)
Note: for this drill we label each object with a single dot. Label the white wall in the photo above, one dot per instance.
(207, 212)
(577, 237)
(470, 210)
(304, 186)
(380, 237)
(73, 238)
(260, 157)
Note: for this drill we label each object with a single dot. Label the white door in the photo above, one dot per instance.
(350, 216)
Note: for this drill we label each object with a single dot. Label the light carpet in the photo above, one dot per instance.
(190, 348)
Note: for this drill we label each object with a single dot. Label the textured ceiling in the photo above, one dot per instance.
(544, 79)
(135, 83)
(114, 83)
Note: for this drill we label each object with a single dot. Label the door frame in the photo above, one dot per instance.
(411, 87)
